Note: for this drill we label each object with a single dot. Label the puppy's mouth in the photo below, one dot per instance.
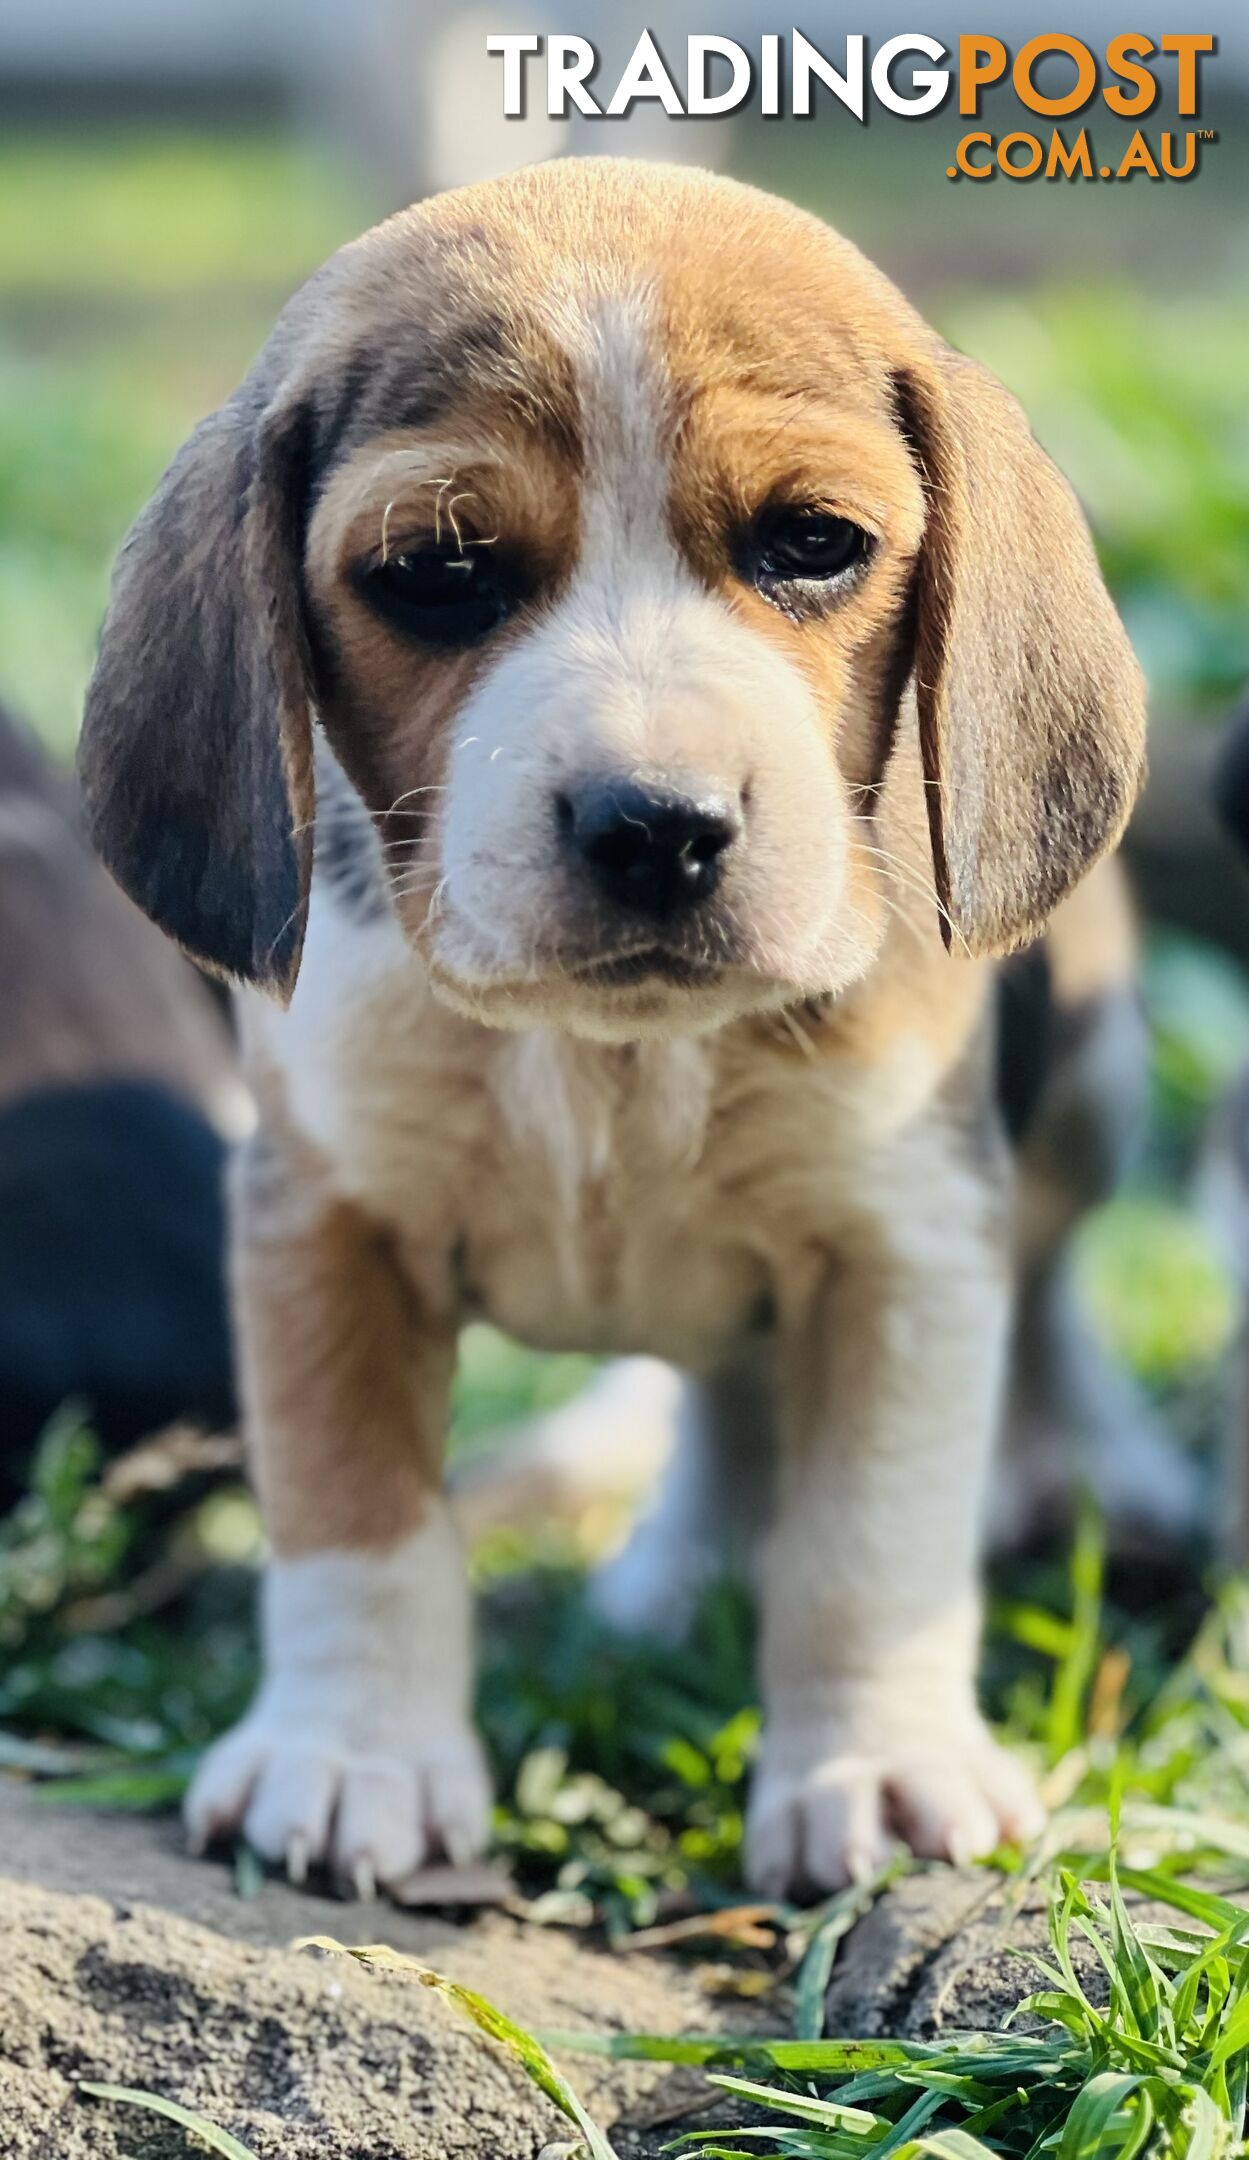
(608, 983)
(644, 964)
(613, 994)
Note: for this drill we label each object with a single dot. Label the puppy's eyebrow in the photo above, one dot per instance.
(397, 380)
(407, 478)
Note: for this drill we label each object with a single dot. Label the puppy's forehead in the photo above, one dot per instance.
(549, 296)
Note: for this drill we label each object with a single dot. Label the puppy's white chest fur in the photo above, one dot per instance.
(656, 1197)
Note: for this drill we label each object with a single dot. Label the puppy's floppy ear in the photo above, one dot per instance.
(196, 754)
(1031, 704)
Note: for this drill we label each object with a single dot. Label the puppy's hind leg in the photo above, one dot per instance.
(358, 1752)
(707, 1512)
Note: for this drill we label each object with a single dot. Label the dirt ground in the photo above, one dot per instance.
(126, 1962)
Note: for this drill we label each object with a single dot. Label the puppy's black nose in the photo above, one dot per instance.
(650, 848)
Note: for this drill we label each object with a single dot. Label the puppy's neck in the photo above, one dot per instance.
(589, 1107)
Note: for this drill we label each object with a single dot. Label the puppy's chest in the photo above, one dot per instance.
(585, 1199)
(651, 1198)
(624, 1260)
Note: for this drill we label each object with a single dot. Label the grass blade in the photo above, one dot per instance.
(1234, 2037)
(908, 2126)
(949, 2145)
(721, 2051)
(1096, 2107)
(806, 2106)
(1075, 1673)
(1207, 2128)
(816, 1968)
(522, 2045)
(1137, 1973)
(1216, 1912)
(218, 2141)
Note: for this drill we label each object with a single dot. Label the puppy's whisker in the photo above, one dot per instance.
(913, 882)
(300, 908)
(432, 787)
(435, 907)
(413, 879)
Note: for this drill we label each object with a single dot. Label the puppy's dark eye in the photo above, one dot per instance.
(442, 595)
(806, 546)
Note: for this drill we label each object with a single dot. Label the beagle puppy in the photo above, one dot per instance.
(606, 686)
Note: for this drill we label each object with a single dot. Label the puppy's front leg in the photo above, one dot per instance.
(870, 1609)
(358, 1751)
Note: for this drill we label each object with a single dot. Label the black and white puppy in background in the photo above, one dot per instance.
(117, 1094)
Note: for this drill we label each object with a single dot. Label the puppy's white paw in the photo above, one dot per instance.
(368, 1809)
(826, 1812)
(358, 1754)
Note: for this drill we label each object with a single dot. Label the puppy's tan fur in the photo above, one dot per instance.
(780, 1144)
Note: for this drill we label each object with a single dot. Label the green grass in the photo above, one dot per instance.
(139, 273)
(118, 216)
(1149, 2053)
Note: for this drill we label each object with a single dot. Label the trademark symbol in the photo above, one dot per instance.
(1208, 134)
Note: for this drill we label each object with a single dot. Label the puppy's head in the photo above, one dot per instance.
(612, 522)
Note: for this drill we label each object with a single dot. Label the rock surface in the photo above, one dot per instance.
(941, 1953)
(126, 1962)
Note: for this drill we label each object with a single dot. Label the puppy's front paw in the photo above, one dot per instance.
(370, 1811)
(825, 1812)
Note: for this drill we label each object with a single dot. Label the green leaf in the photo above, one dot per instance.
(949, 2145)
(1234, 2037)
(1207, 2128)
(908, 2126)
(723, 2050)
(1136, 1971)
(805, 2105)
(1097, 2106)
(220, 2141)
(529, 2052)
(816, 1968)
(1075, 1671)
(1216, 1912)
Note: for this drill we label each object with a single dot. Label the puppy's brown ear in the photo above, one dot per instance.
(196, 756)
(1031, 704)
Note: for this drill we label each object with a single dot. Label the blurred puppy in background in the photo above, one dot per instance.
(1073, 1079)
(615, 694)
(117, 1084)
(1225, 1169)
